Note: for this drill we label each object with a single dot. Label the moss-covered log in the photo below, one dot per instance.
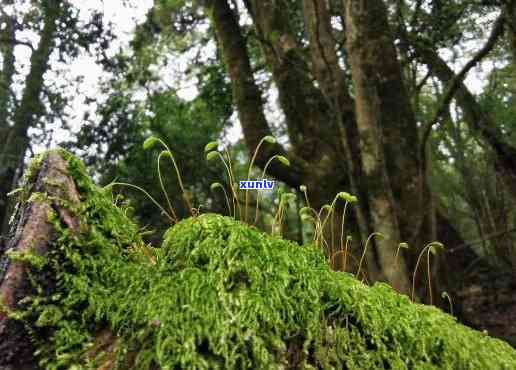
(216, 294)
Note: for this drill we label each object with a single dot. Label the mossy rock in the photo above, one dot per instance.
(222, 294)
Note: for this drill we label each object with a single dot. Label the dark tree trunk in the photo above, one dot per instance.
(7, 99)
(28, 110)
(333, 84)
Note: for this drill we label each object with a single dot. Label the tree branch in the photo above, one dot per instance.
(457, 81)
(6, 40)
(475, 117)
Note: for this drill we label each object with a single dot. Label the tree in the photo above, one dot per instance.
(59, 30)
(325, 132)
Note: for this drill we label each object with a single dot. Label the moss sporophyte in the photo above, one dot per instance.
(221, 294)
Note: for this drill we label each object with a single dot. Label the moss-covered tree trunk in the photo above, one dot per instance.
(32, 235)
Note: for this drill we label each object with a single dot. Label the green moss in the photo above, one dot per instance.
(221, 294)
(29, 257)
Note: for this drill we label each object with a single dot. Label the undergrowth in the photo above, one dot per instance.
(221, 294)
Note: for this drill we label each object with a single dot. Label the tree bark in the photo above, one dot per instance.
(399, 130)
(7, 37)
(307, 115)
(332, 82)
(246, 94)
(368, 38)
(308, 111)
(32, 233)
(320, 113)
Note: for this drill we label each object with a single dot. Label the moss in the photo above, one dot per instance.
(221, 294)
(29, 257)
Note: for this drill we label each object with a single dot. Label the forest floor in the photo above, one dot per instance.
(488, 302)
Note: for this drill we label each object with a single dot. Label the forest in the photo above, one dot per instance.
(262, 184)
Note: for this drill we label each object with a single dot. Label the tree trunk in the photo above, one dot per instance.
(246, 94)
(510, 16)
(7, 36)
(29, 109)
(6, 100)
(331, 79)
(320, 115)
(367, 40)
(32, 233)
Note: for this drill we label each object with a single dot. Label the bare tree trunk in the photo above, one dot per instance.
(367, 27)
(330, 76)
(32, 233)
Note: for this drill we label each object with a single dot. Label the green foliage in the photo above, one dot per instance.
(184, 127)
(468, 177)
(221, 294)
